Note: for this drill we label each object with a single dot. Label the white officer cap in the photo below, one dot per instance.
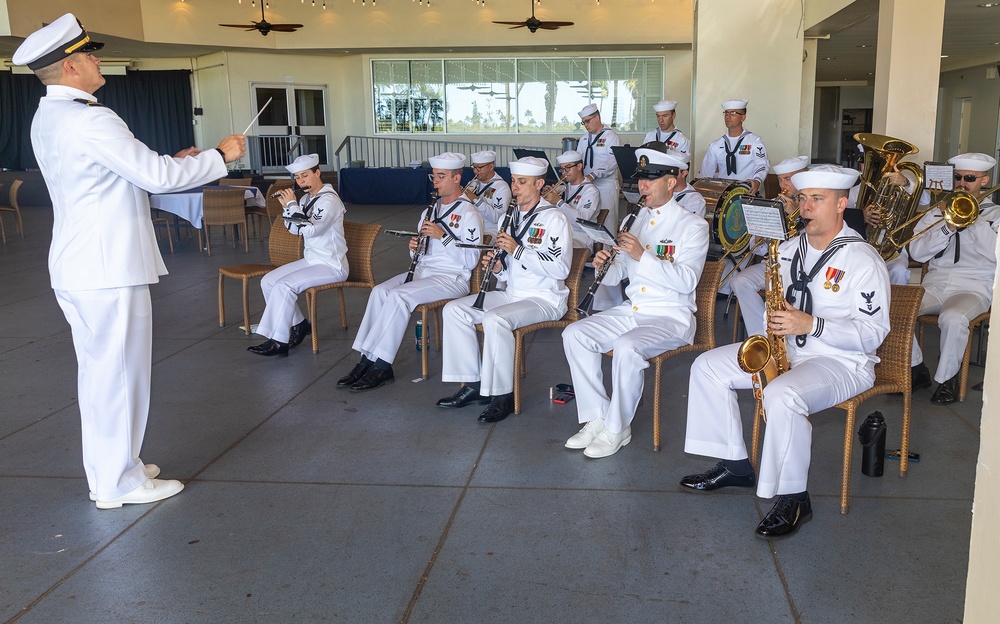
(680, 157)
(587, 110)
(826, 177)
(570, 156)
(447, 160)
(791, 165)
(664, 105)
(735, 104)
(484, 157)
(529, 166)
(973, 162)
(654, 163)
(302, 163)
(54, 42)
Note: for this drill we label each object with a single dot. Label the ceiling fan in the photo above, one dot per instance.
(264, 26)
(533, 23)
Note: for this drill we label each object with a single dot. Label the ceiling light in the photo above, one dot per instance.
(988, 5)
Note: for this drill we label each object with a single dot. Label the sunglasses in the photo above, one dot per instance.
(967, 178)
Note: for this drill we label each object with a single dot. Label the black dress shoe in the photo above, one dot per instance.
(920, 377)
(299, 333)
(269, 348)
(374, 378)
(945, 393)
(784, 518)
(356, 374)
(464, 396)
(500, 407)
(718, 477)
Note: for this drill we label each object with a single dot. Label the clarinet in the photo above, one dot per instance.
(498, 254)
(423, 241)
(586, 305)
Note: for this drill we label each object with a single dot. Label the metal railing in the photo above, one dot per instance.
(270, 153)
(396, 152)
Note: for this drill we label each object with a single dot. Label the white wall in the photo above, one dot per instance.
(985, 93)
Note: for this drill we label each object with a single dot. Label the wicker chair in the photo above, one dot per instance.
(580, 256)
(234, 181)
(284, 247)
(979, 321)
(159, 220)
(601, 216)
(432, 310)
(360, 242)
(12, 206)
(223, 207)
(892, 375)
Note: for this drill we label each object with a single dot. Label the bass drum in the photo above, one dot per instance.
(724, 212)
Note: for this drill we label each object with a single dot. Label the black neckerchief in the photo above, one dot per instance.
(666, 140)
(731, 153)
(801, 280)
(589, 152)
(307, 209)
(440, 219)
(958, 247)
(524, 223)
(573, 196)
(484, 189)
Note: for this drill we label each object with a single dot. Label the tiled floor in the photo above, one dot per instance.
(305, 503)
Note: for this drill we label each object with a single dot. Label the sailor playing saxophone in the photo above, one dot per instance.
(836, 300)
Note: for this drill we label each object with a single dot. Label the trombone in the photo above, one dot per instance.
(959, 209)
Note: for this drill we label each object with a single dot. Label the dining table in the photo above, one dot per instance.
(188, 204)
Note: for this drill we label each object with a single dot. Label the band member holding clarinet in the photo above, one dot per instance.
(662, 255)
(442, 272)
(537, 252)
(576, 197)
(487, 190)
(318, 217)
(831, 313)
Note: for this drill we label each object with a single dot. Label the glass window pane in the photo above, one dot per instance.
(277, 113)
(550, 92)
(625, 90)
(309, 107)
(480, 96)
(315, 144)
(427, 96)
(391, 84)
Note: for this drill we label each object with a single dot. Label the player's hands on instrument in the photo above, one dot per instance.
(413, 244)
(552, 197)
(629, 244)
(873, 215)
(754, 186)
(506, 242)
(489, 264)
(233, 147)
(188, 151)
(790, 322)
(471, 195)
(285, 196)
(896, 177)
(431, 229)
(600, 258)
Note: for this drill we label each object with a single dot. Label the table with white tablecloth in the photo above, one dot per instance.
(188, 204)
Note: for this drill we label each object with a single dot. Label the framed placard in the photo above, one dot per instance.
(939, 176)
(765, 218)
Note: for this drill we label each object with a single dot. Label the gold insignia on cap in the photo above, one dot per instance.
(643, 160)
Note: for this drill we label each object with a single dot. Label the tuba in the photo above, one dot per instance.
(897, 207)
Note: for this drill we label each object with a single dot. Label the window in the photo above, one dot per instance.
(514, 95)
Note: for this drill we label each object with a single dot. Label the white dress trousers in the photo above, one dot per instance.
(747, 285)
(282, 287)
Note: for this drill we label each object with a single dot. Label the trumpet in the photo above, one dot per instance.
(422, 242)
(468, 187)
(498, 254)
(585, 308)
(561, 182)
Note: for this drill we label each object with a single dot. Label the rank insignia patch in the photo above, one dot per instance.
(868, 304)
(555, 249)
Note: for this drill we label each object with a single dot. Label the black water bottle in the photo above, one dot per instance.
(872, 435)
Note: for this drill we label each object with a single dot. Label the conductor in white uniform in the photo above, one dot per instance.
(739, 154)
(662, 255)
(104, 253)
(442, 272)
(599, 164)
(831, 329)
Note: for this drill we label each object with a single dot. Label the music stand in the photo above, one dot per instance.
(550, 175)
(625, 157)
(765, 218)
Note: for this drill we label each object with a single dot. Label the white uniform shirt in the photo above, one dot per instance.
(580, 201)
(491, 201)
(599, 162)
(751, 158)
(324, 235)
(965, 259)
(539, 266)
(851, 318)
(663, 281)
(462, 223)
(674, 139)
(99, 177)
(691, 200)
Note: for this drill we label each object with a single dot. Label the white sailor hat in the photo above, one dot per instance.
(588, 110)
(791, 165)
(302, 163)
(529, 166)
(447, 160)
(484, 157)
(51, 44)
(826, 177)
(654, 162)
(664, 105)
(734, 104)
(570, 156)
(679, 157)
(973, 162)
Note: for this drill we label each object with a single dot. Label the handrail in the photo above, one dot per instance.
(402, 152)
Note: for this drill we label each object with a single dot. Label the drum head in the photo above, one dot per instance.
(729, 224)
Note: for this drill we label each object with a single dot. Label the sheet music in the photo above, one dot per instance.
(765, 218)
(597, 232)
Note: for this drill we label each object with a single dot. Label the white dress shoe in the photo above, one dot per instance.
(152, 471)
(151, 491)
(607, 443)
(585, 436)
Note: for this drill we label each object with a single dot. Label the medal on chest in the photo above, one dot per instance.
(744, 150)
(665, 250)
(456, 219)
(833, 277)
(535, 234)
